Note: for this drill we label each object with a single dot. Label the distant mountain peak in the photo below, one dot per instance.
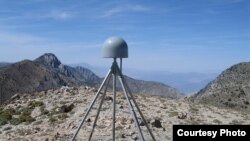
(49, 59)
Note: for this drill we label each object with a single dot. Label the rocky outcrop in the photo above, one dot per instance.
(82, 74)
(49, 60)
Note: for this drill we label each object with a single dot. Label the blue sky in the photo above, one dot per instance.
(165, 35)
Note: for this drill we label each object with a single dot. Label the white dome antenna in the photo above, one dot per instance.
(115, 47)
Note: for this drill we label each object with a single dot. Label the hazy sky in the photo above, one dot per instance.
(166, 35)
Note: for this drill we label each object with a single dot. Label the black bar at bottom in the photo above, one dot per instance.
(211, 132)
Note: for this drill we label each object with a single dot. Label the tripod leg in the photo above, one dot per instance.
(91, 105)
(137, 107)
(99, 108)
(132, 110)
(114, 102)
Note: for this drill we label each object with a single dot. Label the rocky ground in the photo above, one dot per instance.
(55, 115)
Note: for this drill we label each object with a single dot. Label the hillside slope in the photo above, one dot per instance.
(230, 89)
(28, 76)
(152, 88)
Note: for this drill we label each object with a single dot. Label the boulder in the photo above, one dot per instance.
(66, 108)
(156, 123)
(182, 115)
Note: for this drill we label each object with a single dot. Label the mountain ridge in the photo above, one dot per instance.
(230, 89)
(52, 62)
(186, 82)
(47, 72)
(28, 76)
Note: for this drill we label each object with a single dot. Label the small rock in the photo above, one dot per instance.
(141, 123)
(131, 133)
(156, 123)
(127, 127)
(37, 122)
(101, 126)
(123, 135)
(246, 102)
(182, 115)
(86, 87)
(121, 107)
(134, 137)
(118, 127)
(75, 88)
(9, 137)
(56, 136)
(122, 121)
(88, 120)
(163, 106)
(109, 98)
(93, 90)
(74, 127)
(15, 97)
(131, 120)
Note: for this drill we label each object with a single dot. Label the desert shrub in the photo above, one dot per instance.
(162, 100)
(193, 109)
(246, 102)
(63, 102)
(15, 121)
(62, 116)
(11, 111)
(4, 118)
(26, 118)
(173, 114)
(217, 121)
(52, 119)
(25, 111)
(235, 122)
(44, 111)
(194, 122)
(6, 115)
(197, 121)
(34, 104)
(7, 128)
(104, 108)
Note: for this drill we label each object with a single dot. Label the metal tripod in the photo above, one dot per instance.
(115, 71)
